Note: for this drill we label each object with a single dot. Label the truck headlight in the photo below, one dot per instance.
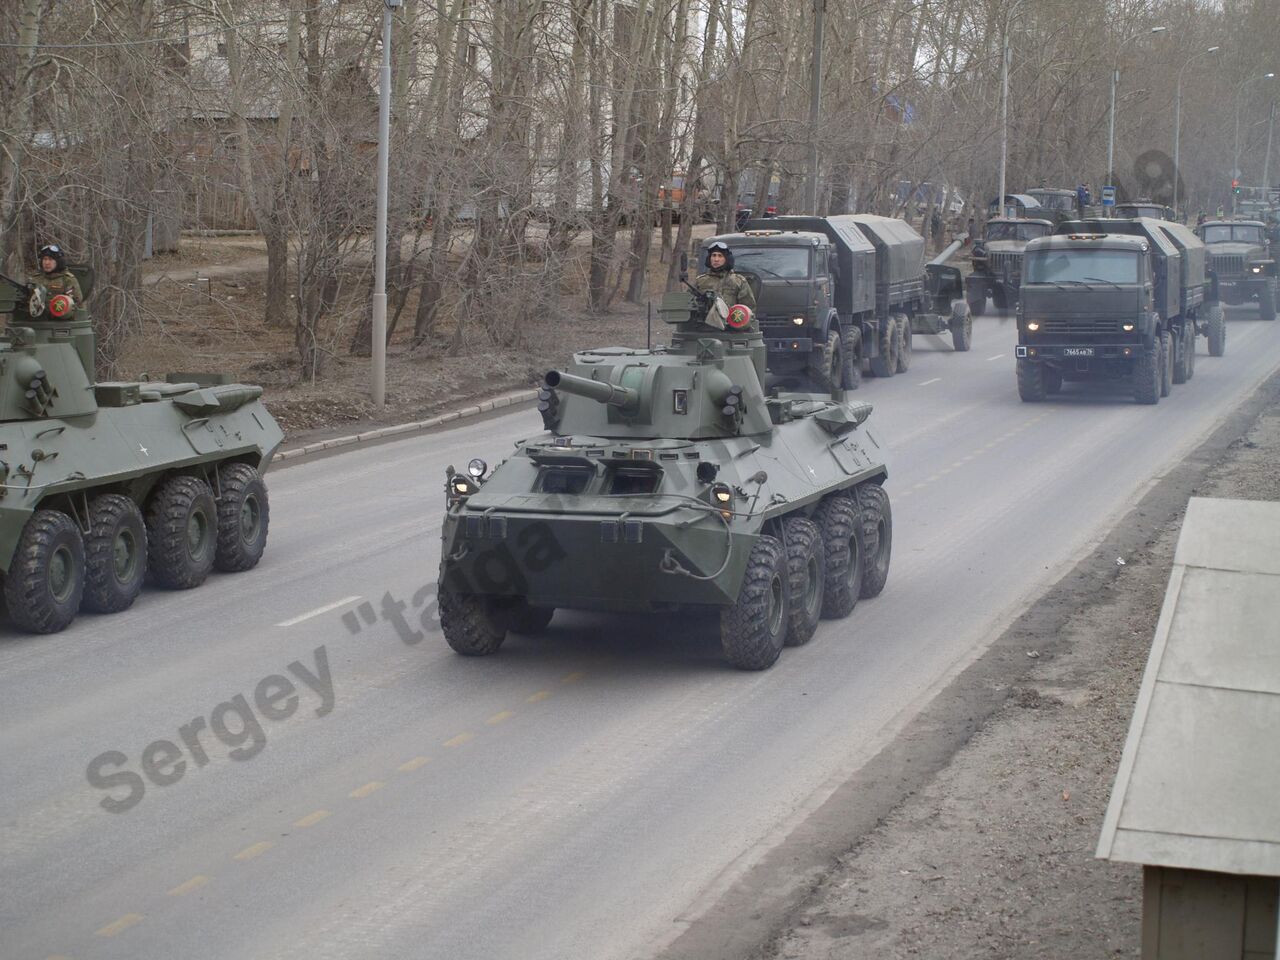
(1033, 325)
(1127, 327)
(1256, 268)
(798, 321)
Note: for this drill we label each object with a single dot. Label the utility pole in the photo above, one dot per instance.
(1177, 121)
(1111, 123)
(1266, 163)
(379, 345)
(815, 106)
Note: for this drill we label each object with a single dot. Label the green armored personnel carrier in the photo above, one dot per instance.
(668, 479)
(104, 484)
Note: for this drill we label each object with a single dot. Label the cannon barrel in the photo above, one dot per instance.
(950, 250)
(595, 389)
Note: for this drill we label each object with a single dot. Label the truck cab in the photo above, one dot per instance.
(1243, 262)
(997, 261)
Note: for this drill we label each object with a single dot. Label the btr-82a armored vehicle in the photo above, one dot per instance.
(102, 484)
(668, 479)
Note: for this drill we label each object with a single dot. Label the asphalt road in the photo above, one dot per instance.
(581, 795)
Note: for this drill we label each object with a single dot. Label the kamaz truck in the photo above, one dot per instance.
(1242, 262)
(1116, 300)
(833, 293)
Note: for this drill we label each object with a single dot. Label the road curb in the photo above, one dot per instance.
(404, 429)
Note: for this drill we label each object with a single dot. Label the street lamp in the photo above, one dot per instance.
(1177, 121)
(1111, 123)
(1235, 166)
(1004, 103)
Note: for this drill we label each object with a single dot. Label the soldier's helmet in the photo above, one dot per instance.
(56, 252)
(719, 247)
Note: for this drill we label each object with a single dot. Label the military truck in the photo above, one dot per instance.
(105, 484)
(668, 481)
(1114, 299)
(1056, 203)
(1243, 263)
(1143, 207)
(833, 293)
(997, 261)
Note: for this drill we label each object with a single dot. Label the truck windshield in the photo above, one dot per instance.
(1016, 231)
(1083, 266)
(1056, 201)
(790, 263)
(1225, 233)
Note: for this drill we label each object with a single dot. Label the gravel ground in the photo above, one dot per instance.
(993, 856)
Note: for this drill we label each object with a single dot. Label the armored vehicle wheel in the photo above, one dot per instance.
(243, 516)
(115, 554)
(1146, 375)
(1166, 363)
(903, 324)
(472, 624)
(1031, 385)
(845, 548)
(45, 582)
(754, 629)
(1052, 380)
(806, 571)
(182, 532)
(877, 535)
(977, 304)
(962, 326)
(1267, 302)
(1217, 331)
(526, 620)
(886, 363)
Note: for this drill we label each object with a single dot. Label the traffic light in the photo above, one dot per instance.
(1235, 186)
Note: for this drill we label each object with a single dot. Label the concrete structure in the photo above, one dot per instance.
(1197, 797)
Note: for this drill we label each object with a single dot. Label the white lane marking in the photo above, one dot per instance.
(319, 610)
(927, 382)
(996, 357)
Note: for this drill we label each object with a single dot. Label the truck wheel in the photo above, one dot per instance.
(115, 554)
(977, 303)
(243, 516)
(1052, 379)
(903, 345)
(45, 582)
(885, 364)
(182, 532)
(999, 298)
(528, 621)
(1166, 363)
(1180, 350)
(1031, 385)
(852, 368)
(1146, 375)
(1267, 302)
(754, 629)
(844, 552)
(1191, 346)
(877, 535)
(471, 624)
(833, 362)
(1217, 331)
(806, 572)
(962, 326)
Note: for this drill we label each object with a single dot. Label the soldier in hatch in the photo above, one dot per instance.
(721, 281)
(54, 276)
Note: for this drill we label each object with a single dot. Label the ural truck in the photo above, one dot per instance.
(1118, 300)
(835, 292)
(1058, 203)
(1242, 263)
(997, 262)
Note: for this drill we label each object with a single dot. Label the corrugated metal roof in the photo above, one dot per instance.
(1199, 781)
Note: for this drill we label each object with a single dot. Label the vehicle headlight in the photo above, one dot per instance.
(1127, 327)
(798, 321)
(1256, 268)
(477, 468)
(460, 486)
(1033, 325)
(722, 493)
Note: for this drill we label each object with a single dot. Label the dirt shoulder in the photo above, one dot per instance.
(972, 835)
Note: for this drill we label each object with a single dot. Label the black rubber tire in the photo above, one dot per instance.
(1180, 352)
(1031, 385)
(472, 624)
(1191, 339)
(961, 328)
(806, 573)
(885, 364)
(1267, 302)
(903, 346)
(754, 629)
(833, 362)
(182, 532)
(243, 518)
(852, 367)
(977, 305)
(115, 554)
(998, 299)
(528, 621)
(1146, 374)
(877, 536)
(1052, 379)
(45, 582)
(838, 517)
(1166, 363)
(1217, 331)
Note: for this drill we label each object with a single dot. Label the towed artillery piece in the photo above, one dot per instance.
(669, 480)
(105, 484)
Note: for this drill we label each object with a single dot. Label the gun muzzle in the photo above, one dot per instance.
(597, 390)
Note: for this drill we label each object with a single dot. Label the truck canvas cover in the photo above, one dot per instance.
(900, 248)
(855, 287)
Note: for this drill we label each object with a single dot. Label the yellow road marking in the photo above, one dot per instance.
(539, 696)
(367, 789)
(311, 819)
(573, 677)
(459, 740)
(411, 765)
(124, 923)
(195, 883)
(499, 717)
(248, 853)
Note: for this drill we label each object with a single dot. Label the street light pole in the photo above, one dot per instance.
(379, 334)
(1235, 164)
(1266, 163)
(815, 111)
(1004, 105)
(1111, 123)
(1177, 122)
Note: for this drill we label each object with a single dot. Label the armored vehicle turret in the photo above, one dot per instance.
(103, 484)
(669, 479)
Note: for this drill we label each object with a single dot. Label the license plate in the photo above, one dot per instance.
(1077, 351)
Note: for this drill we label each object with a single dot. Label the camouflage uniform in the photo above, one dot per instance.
(731, 288)
(60, 281)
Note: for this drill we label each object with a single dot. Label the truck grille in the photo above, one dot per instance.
(998, 262)
(1227, 264)
(1080, 326)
